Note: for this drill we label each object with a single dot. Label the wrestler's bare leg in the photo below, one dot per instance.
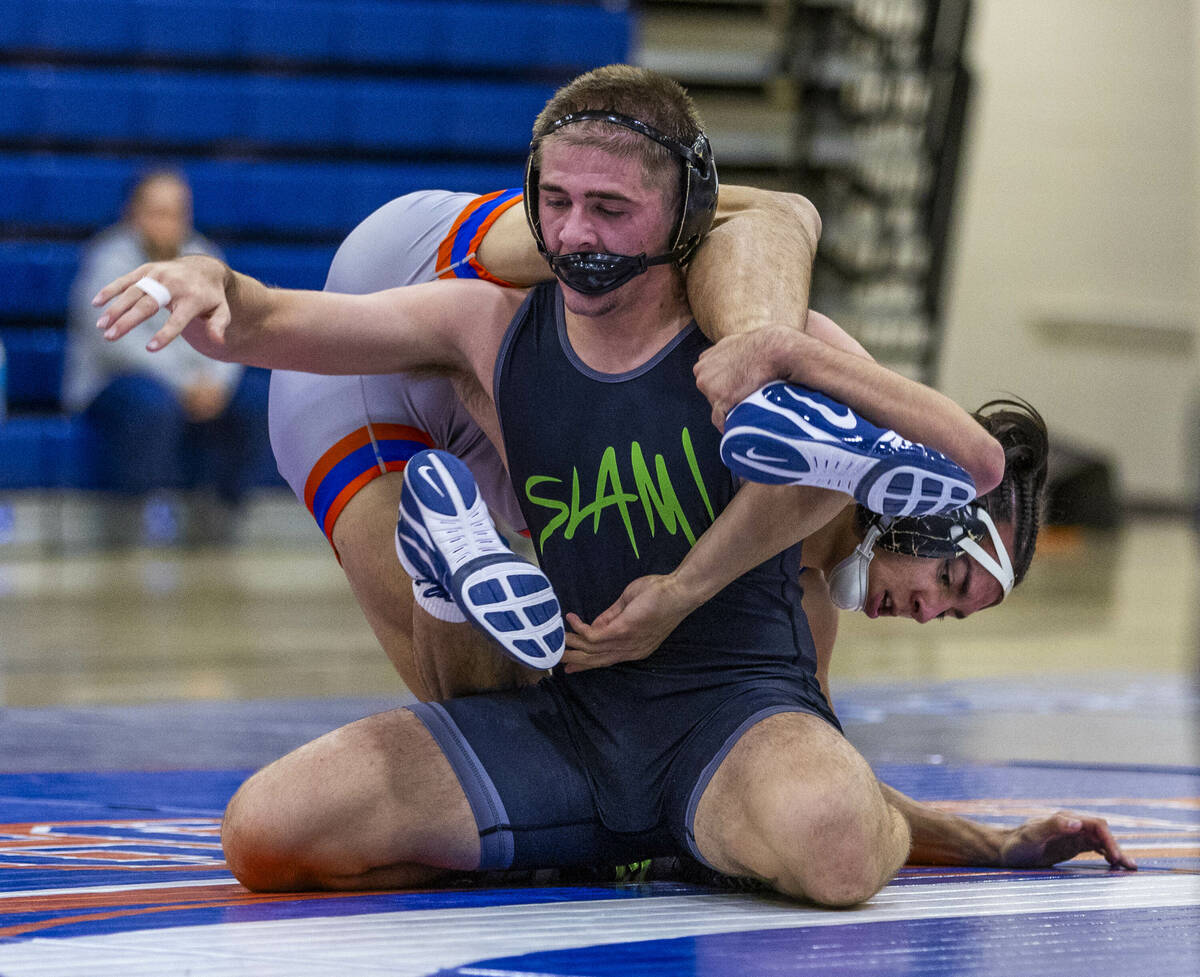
(794, 804)
(436, 660)
(373, 805)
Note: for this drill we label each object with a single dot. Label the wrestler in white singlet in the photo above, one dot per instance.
(333, 435)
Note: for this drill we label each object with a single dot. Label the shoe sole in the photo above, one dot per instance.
(890, 486)
(505, 596)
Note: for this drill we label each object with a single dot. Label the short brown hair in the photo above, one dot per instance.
(639, 93)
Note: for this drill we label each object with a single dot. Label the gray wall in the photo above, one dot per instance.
(1075, 276)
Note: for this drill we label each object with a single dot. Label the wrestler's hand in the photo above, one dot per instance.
(728, 372)
(631, 629)
(198, 303)
(1043, 842)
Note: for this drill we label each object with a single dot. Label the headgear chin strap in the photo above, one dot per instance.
(597, 272)
(1002, 568)
(929, 537)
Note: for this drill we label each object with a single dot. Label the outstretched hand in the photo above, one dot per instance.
(647, 611)
(197, 285)
(1043, 842)
(730, 371)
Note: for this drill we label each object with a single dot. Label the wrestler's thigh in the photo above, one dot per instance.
(795, 804)
(376, 793)
(435, 660)
(364, 536)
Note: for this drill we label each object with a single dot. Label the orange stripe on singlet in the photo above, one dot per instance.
(445, 256)
(368, 468)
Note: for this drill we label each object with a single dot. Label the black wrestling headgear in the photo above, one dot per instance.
(933, 536)
(597, 272)
(947, 535)
(937, 537)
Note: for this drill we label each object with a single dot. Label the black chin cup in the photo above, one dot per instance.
(595, 272)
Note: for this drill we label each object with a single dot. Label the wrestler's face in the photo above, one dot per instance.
(592, 200)
(923, 589)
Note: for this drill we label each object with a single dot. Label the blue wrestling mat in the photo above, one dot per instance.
(122, 873)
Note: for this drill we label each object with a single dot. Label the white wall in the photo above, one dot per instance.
(1075, 274)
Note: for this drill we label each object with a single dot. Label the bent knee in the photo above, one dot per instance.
(260, 851)
(841, 855)
(837, 886)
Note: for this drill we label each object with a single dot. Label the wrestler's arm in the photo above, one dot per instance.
(232, 317)
(508, 250)
(946, 839)
(731, 370)
(760, 521)
(940, 838)
(753, 268)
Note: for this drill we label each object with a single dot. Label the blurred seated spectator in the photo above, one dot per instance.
(169, 426)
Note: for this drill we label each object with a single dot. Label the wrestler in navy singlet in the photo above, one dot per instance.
(617, 475)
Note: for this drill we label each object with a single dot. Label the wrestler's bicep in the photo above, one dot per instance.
(508, 251)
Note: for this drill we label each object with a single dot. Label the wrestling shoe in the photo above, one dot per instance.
(445, 534)
(432, 597)
(786, 434)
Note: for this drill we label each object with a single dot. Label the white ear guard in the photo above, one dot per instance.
(848, 580)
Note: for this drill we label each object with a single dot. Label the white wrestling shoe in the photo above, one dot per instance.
(786, 434)
(444, 534)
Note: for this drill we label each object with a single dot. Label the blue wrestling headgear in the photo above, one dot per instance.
(932, 537)
(597, 272)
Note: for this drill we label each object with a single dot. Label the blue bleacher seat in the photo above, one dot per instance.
(196, 29)
(46, 451)
(85, 193)
(464, 35)
(35, 367)
(50, 190)
(19, 201)
(37, 277)
(76, 26)
(201, 108)
(24, 446)
(291, 118)
(189, 109)
(299, 112)
(301, 30)
(100, 104)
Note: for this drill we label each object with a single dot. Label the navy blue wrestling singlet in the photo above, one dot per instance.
(617, 476)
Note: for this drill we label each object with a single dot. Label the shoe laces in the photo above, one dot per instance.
(894, 440)
(474, 533)
(432, 588)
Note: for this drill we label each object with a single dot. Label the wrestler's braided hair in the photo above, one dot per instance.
(1020, 497)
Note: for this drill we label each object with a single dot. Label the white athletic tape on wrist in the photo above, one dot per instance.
(439, 607)
(156, 290)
